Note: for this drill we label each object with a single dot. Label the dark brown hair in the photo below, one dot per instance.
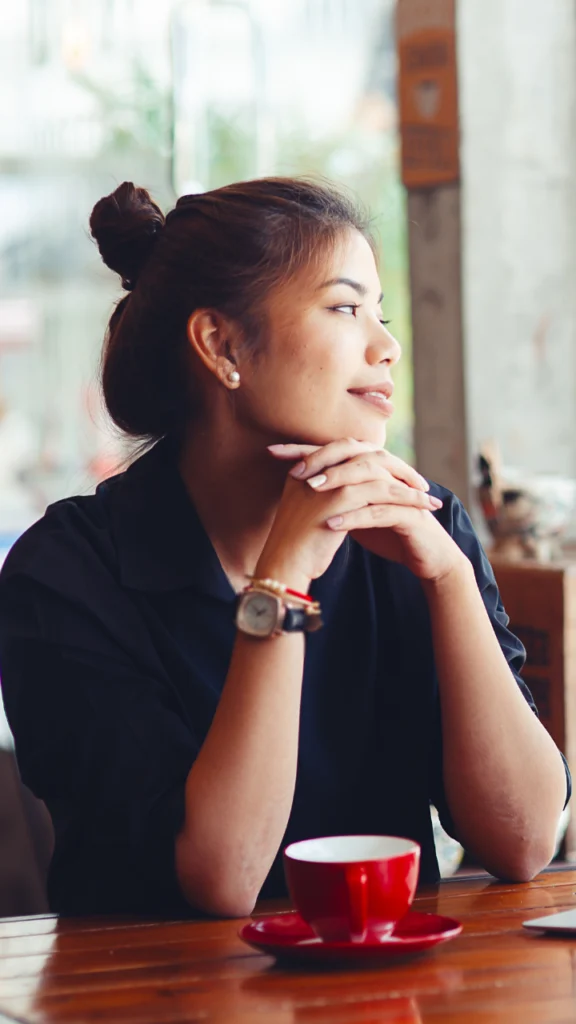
(222, 250)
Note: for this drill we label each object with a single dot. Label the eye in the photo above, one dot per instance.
(349, 309)
(385, 323)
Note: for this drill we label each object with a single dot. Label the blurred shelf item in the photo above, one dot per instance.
(528, 515)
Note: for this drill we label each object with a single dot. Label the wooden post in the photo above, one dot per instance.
(541, 603)
(428, 95)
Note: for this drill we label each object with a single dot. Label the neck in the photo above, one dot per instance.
(235, 485)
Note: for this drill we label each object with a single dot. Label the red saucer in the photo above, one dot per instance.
(288, 937)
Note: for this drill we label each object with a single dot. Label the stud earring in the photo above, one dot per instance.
(233, 377)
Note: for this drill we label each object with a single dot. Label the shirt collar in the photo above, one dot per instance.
(161, 543)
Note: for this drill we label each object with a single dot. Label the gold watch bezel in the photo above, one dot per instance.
(245, 627)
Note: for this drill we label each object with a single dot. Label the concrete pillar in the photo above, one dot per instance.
(517, 69)
(493, 240)
(428, 91)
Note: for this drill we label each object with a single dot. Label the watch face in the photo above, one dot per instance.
(258, 614)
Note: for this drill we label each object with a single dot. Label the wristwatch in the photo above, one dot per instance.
(263, 614)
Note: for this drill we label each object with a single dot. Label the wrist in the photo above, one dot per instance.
(282, 572)
(456, 576)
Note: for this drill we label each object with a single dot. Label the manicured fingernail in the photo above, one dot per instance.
(335, 521)
(317, 481)
(424, 483)
(276, 447)
(436, 503)
(298, 469)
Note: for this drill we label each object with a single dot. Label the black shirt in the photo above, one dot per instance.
(116, 630)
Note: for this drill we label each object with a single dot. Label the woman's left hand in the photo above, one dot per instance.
(398, 532)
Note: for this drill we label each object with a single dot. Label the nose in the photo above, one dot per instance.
(382, 347)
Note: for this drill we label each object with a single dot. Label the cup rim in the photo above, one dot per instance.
(413, 847)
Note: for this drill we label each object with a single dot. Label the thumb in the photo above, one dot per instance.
(292, 451)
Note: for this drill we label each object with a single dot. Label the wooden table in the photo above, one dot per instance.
(139, 971)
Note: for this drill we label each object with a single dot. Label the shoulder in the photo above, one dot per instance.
(455, 519)
(61, 585)
(74, 534)
(453, 515)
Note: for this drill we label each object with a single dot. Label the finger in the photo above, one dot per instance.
(291, 451)
(402, 471)
(371, 516)
(339, 450)
(357, 480)
(318, 459)
(358, 470)
(331, 455)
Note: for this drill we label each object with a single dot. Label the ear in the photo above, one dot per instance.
(213, 337)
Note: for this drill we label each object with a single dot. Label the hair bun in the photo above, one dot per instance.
(125, 226)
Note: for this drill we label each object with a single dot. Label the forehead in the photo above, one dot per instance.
(353, 258)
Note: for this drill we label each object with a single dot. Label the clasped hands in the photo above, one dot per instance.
(380, 500)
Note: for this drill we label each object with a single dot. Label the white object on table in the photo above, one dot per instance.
(563, 923)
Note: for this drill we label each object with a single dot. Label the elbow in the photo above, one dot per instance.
(523, 871)
(224, 905)
(218, 897)
(528, 861)
(212, 888)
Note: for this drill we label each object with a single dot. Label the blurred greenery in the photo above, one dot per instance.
(232, 148)
(138, 118)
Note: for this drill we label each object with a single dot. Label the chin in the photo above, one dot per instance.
(359, 429)
(363, 432)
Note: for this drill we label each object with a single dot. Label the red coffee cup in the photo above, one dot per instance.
(352, 888)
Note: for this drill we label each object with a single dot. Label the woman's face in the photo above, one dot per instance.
(326, 370)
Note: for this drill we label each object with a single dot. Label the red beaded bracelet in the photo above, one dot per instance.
(277, 587)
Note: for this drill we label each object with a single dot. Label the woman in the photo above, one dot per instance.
(179, 735)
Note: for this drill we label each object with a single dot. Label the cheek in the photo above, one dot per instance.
(316, 357)
(312, 380)
(303, 376)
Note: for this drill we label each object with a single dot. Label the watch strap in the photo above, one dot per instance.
(295, 620)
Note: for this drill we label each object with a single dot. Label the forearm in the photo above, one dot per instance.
(504, 778)
(240, 789)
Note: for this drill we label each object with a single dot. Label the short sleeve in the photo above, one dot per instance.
(103, 744)
(457, 522)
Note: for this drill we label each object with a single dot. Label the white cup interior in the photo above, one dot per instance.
(349, 849)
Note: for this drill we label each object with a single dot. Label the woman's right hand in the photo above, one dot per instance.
(300, 546)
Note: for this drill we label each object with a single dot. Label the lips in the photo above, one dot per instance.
(377, 395)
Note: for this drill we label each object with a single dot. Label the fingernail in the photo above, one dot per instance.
(317, 481)
(298, 469)
(436, 503)
(424, 483)
(335, 521)
(276, 447)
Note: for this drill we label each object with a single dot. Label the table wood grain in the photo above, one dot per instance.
(151, 972)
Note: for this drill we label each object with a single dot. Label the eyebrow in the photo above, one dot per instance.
(360, 288)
